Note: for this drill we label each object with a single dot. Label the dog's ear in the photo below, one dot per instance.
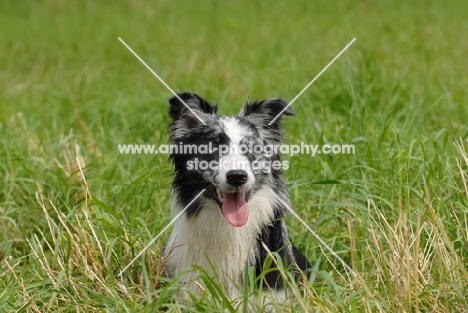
(191, 103)
(188, 110)
(265, 111)
(266, 114)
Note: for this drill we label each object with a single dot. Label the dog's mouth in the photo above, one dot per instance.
(234, 206)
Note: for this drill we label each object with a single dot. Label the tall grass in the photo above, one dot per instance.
(74, 212)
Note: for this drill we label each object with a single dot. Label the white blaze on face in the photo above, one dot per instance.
(234, 160)
(235, 208)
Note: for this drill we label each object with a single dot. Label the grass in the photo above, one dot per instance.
(73, 212)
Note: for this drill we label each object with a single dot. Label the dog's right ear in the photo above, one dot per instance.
(191, 103)
(188, 110)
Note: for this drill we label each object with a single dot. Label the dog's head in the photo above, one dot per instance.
(229, 156)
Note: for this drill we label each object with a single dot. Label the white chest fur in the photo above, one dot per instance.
(209, 241)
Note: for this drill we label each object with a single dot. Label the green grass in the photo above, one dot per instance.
(396, 211)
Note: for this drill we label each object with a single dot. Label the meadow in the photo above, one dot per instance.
(74, 211)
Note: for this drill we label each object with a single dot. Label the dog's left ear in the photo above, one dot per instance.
(265, 111)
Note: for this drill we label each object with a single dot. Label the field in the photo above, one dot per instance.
(74, 211)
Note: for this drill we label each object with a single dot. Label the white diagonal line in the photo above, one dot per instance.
(315, 235)
(160, 233)
(161, 80)
(313, 80)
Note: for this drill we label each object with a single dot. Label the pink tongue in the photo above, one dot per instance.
(235, 209)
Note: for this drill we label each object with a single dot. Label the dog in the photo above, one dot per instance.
(238, 220)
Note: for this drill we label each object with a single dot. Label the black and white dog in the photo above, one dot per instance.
(241, 211)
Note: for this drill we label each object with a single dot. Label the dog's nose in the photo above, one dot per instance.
(236, 178)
